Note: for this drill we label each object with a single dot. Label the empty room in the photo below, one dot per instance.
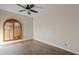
(39, 29)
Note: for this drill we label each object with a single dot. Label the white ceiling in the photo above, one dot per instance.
(14, 8)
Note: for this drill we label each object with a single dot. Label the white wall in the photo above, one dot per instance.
(27, 23)
(59, 27)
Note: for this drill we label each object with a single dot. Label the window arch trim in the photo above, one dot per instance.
(11, 21)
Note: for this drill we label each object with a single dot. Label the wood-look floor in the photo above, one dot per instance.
(31, 47)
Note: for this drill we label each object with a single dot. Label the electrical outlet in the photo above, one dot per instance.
(65, 44)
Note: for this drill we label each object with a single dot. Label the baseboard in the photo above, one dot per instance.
(57, 46)
(10, 42)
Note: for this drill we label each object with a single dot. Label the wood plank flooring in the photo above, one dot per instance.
(31, 47)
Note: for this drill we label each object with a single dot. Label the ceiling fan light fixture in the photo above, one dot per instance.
(28, 8)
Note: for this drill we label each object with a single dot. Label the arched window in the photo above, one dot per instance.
(12, 30)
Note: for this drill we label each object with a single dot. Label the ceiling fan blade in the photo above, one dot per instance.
(22, 10)
(21, 6)
(34, 11)
(28, 12)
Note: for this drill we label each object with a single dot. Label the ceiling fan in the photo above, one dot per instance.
(28, 7)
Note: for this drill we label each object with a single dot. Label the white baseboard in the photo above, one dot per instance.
(9, 42)
(57, 46)
(37, 40)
